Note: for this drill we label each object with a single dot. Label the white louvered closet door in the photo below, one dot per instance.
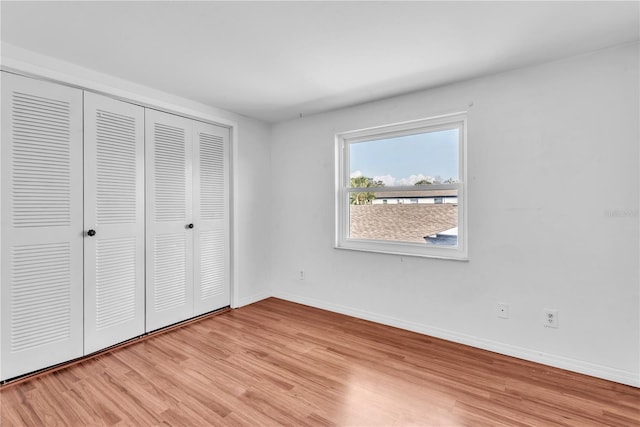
(169, 249)
(41, 225)
(114, 221)
(211, 214)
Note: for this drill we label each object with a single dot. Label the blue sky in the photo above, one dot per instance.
(407, 159)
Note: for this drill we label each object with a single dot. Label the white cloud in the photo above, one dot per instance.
(413, 179)
(355, 174)
(388, 180)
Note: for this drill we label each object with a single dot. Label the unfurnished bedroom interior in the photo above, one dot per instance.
(331, 213)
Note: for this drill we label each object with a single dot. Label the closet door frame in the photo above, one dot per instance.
(81, 80)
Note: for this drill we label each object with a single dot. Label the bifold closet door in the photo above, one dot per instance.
(211, 214)
(41, 225)
(114, 221)
(169, 249)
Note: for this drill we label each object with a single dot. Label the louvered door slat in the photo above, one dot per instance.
(169, 241)
(114, 208)
(41, 161)
(41, 204)
(212, 265)
(211, 208)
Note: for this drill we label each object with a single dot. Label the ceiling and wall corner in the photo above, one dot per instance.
(277, 60)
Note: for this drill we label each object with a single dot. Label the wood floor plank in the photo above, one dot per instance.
(280, 363)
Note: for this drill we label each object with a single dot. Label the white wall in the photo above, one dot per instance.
(553, 217)
(251, 151)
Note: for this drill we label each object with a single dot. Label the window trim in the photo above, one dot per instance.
(342, 189)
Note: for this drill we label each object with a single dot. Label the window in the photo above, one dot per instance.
(420, 166)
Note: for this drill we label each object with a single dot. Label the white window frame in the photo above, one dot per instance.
(343, 189)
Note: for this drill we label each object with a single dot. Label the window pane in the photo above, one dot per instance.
(426, 158)
(429, 217)
(401, 188)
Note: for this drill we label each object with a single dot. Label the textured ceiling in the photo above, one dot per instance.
(276, 60)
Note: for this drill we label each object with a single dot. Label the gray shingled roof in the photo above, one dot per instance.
(403, 222)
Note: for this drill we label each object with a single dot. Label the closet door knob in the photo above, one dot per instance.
(190, 226)
(91, 232)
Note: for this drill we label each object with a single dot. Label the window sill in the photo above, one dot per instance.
(404, 249)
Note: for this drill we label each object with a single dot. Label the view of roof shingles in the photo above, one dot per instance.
(401, 222)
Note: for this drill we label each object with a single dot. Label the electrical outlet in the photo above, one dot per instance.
(550, 318)
(503, 311)
(301, 275)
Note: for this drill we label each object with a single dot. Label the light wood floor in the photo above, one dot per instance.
(279, 363)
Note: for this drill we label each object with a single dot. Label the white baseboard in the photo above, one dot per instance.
(574, 365)
(252, 298)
